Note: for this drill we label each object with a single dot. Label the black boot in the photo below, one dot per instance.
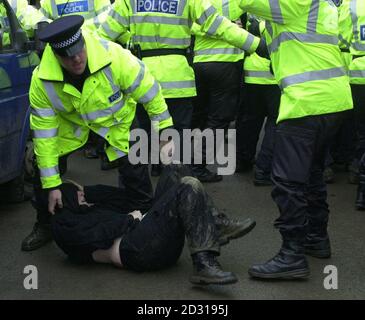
(360, 197)
(243, 166)
(261, 178)
(207, 270)
(40, 235)
(318, 246)
(229, 229)
(204, 175)
(289, 263)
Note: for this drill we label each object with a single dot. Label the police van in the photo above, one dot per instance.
(17, 62)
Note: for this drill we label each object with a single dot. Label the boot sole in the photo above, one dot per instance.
(35, 247)
(206, 281)
(262, 183)
(225, 240)
(318, 254)
(295, 274)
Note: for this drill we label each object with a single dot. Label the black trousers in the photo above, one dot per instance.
(181, 209)
(299, 189)
(258, 102)
(218, 92)
(134, 178)
(358, 96)
(181, 111)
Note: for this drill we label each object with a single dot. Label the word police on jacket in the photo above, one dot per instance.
(163, 6)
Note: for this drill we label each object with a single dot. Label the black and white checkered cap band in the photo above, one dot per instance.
(67, 42)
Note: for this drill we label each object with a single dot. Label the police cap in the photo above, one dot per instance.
(64, 35)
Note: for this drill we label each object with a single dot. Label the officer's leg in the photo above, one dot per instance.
(41, 233)
(135, 179)
(295, 144)
(249, 122)
(317, 241)
(224, 98)
(360, 197)
(358, 95)
(263, 166)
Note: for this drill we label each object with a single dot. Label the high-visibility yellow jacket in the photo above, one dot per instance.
(28, 17)
(61, 116)
(305, 56)
(352, 35)
(166, 24)
(94, 11)
(256, 69)
(207, 48)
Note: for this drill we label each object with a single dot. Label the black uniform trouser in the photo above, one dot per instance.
(135, 178)
(297, 172)
(181, 208)
(218, 92)
(181, 111)
(258, 101)
(358, 96)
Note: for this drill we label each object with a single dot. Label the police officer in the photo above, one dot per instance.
(162, 30)
(307, 63)
(86, 84)
(352, 32)
(216, 103)
(260, 100)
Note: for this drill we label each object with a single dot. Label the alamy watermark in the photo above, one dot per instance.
(190, 147)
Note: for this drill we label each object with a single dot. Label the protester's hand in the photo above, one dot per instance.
(54, 199)
(136, 214)
(262, 50)
(254, 27)
(167, 149)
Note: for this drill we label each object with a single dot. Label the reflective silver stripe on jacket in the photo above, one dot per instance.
(111, 34)
(54, 9)
(77, 131)
(225, 8)
(161, 20)
(177, 84)
(45, 13)
(259, 74)
(42, 113)
(106, 8)
(302, 37)
(312, 76)
(52, 96)
(218, 51)
(116, 16)
(161, 117)
(313, 17)
(215, 25)
(150, 94)
(248, 43)
(276, 14)
(344, 41)
(164, 40)
(108, 73)
(92, 116)
(357, 73)
(357, 45)
(45, 133)
(136, 83)
(353, 11)
(91, 7)
(120, 153)
(206, 14)
(103, 132)
(49, 172)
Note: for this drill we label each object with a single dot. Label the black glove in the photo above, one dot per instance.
(254, 27)
(262, 50)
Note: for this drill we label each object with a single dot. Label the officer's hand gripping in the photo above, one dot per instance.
(54, 199)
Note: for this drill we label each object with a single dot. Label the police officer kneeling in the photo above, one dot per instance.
(86, 84)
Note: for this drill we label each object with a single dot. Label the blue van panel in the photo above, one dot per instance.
(14, 113)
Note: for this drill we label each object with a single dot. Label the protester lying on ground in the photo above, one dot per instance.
(98, 224)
